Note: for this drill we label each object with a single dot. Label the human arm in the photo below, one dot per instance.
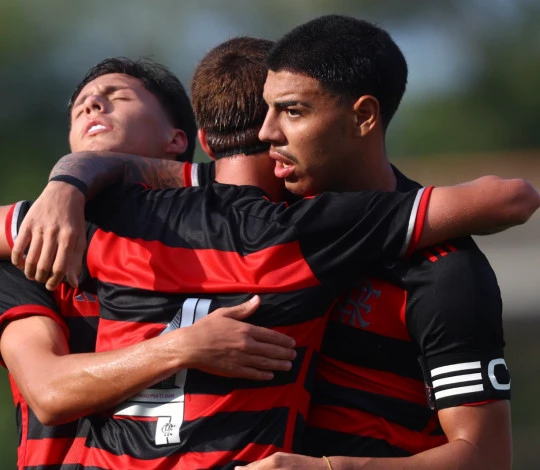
(58, 216)
(61, 387)
(485, 205)
(478, 438)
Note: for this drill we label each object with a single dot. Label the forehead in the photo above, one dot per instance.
(285, 85)
(112, 81)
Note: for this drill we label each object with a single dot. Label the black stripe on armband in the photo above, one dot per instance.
(79, 184)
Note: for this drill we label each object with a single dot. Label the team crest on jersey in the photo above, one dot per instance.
(353, 307)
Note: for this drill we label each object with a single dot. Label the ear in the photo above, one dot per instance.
(201, 133)
(366, 110)
(178, 142)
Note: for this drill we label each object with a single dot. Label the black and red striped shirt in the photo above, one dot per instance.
(41, 446)
(195, 250)
(430, 325)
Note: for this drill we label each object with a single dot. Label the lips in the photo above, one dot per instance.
(284, 167)
(94, 127)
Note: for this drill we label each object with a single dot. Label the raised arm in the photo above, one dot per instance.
(97, 170)
(486, 205)
(58, 214)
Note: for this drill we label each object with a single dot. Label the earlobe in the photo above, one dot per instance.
(178, 142)
(366, 110)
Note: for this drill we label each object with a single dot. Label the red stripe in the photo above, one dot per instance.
(9, 220)
(192, 460)
(360, 423)
(151, 265)
(114, 334)
(451, 248)
(441, 250)
(371, 300)
(186, 173)
(420, 221)
(119, 334)
(22, 451)
(252, 399)
(371, 380)
(430, 256)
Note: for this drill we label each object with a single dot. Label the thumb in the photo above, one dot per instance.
(242, 311)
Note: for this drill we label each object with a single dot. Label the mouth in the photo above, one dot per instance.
(284, 167)
(93, 128)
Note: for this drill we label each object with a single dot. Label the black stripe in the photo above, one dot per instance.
(386, 354)
(321, 442)
(220, 432)
(404, 413)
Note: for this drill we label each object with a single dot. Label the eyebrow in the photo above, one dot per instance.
(286, 104)
(106, 90)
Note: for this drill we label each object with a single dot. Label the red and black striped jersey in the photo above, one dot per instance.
(430, 324)
(41, 446)
(159, 253)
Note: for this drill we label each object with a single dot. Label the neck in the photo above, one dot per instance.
(373, 171)
(254, 170)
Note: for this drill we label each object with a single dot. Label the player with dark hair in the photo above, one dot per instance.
(155, 78)
(430, 325)
(48, 341)
(208, 271)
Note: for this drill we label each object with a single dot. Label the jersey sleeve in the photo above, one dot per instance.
(20, 297)
(354, 230)
(454, 314)
(14, 219)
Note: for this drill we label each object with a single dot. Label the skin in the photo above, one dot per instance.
(356, 126)
(128, 118)
(479, 436)
(35, 349)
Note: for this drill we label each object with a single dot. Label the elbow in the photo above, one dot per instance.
(49, 412)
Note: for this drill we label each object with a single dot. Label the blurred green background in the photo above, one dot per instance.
(472, 107)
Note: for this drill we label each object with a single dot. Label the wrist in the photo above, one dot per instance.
(72, 181)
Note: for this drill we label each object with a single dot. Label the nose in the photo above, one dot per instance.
(94, 103)
(270, 130)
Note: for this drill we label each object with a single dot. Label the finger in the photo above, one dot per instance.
(19, 248)
(64, 255)
(265, 363)
(242, 311)
(75, 267)
(31, 260)
(46, 257)
(266, 335)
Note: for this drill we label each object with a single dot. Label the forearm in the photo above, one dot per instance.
(99, 170)
(61, 387)
(457, 455)
(486, 205)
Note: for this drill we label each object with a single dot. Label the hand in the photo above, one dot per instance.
(283, 461)
(55, 230)
(223, 344)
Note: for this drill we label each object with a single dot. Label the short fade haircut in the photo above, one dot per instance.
(348, 56)
(159, 81)
(227, 91)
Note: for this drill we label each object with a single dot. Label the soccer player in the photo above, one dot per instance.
(170, 425)
(412, 372)
(140, 107)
